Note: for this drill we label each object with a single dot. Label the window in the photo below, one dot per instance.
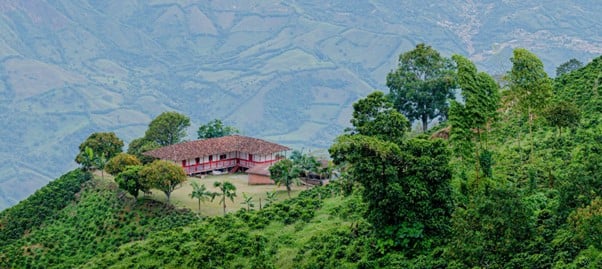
(222, 157)
(197, 160)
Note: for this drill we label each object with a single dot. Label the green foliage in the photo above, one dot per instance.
(407, 188)
(120, 162)
(491, 229)
(215, 128)
(568, 66)
(102, 144)
(40, 207)
(375, 116)
(168, 128)
(562, 115)
(130, 180)
(285, 172)
(140, 145)
(162, 175)
(529, 83)
(100, 220)
(228, 191)
(422, 84)
(248, 201)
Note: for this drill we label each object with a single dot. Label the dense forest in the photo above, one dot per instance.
(510, 177)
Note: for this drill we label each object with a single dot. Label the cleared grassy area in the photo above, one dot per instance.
(181, 196)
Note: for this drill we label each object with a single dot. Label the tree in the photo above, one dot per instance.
(141, 145)
(422, 84)
(567, 67)
(120, 162)
(529, 85)
(406, 187)
(131, 181)
(215, 128)
(562, 115)
(102, 144)
(481, 100)
(376, 116)
(168, 128)
(285, 172)
(201, 193)
(248, 201)
(163, 175)
(228, 190)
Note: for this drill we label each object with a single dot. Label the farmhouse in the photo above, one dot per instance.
(229, 153)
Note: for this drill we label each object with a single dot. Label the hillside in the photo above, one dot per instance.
(287, 71)
(540, 206)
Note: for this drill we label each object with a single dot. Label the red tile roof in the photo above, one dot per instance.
(219, 145)
(260, 169)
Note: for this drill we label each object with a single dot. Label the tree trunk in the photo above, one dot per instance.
(199, 205)
(224, 207)
(260, 203)
(288, 190)
(531, 134)
(425, 124)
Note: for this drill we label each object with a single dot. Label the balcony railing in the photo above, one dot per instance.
(222, 164)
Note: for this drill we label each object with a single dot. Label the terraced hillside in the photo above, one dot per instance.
(285, 70)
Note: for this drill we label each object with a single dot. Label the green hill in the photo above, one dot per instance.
(283, 70)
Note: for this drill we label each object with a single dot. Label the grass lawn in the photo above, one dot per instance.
(181, 196)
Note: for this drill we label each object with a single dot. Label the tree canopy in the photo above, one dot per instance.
(215, 128)
(163, 175)
(168, 128)
(102, 144)
(422, 84)
(375, 116)
(120, 162)
(568, 66)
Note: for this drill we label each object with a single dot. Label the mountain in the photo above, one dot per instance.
(286, 70)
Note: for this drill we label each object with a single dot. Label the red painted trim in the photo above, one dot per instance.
(223, 164)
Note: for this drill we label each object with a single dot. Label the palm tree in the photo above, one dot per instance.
(201, 193)
(228, 190)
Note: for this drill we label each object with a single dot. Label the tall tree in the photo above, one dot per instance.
(406, 187)
(529, 85)
(201, 193)
(422, 84)
(285, 172)
(215, 128)
(102, 144)
(569, 66)
(168, 128)
(163, 175)
(130, 180)
(481, 100)
(228, 190)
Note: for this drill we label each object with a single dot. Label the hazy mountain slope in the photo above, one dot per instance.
(283, 70)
